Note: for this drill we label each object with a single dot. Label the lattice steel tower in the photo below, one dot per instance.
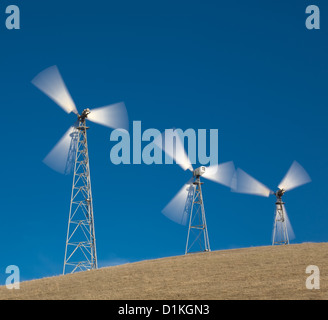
(197, 239)
(80, 252)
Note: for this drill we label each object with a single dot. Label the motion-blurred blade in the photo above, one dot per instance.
(290, 230)
(50, 82)
(279, 228)
(221, 173)
(295, 177)
(178, 209)
(61, 157)
(113, 116)
(244, 183)
(171, 143)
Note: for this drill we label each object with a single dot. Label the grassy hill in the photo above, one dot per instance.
(250, 273)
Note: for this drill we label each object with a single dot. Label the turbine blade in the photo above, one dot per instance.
(50, 82)
(279, 230)
(170, 142)
(61, 158)
(113, 116)
(244, 183)
(221, 173)
(290, 231)
(178, 209)
(295, 177)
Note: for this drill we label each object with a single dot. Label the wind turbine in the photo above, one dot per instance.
(295, 177)
(71, 152)
(187, 206)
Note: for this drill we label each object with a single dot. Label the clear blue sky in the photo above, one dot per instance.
(250, 69)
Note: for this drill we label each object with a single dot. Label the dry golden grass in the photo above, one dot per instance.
(251, 273)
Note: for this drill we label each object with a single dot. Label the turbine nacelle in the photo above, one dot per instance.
(280, 193)
(84, 114)
(199, 171)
